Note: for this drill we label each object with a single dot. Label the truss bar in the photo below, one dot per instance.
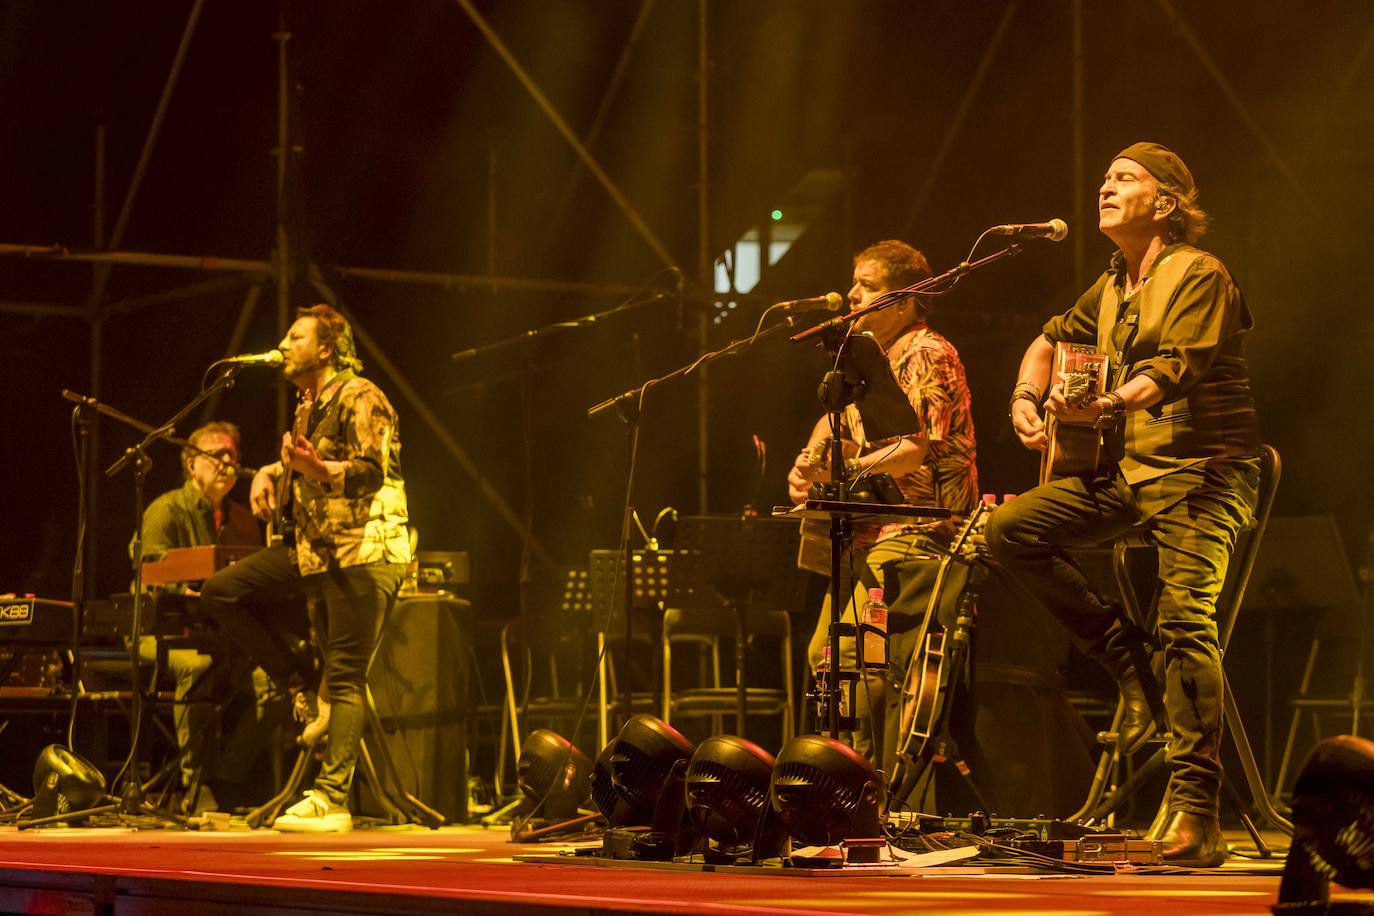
(1323, 131)
(44, 308)
(102, 275)
(138, 258)
(704, 271)
(965, 103)
(1079, 185)
(189, 291)
(460, 281)
(436, 426)
(603, 110)
(1233, 97)
(562, 127)
(264, 268)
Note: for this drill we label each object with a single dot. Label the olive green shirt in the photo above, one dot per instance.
(1183, 327)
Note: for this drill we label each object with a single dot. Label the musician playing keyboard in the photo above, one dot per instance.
(934, 467)
(197, 513)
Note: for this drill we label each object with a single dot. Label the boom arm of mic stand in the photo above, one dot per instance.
(82, 400)
(583, 321)
(162, 432)
(928, 285)
(728, 350)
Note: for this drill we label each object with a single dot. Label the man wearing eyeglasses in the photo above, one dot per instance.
(197, 513)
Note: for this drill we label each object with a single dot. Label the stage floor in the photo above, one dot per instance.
(471, 870)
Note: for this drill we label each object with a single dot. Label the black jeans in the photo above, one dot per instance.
(1194, 515)
(243, 599)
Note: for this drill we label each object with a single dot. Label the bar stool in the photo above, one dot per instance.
(401, 806)
(1099, 804)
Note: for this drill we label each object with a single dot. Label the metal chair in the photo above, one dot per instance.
(701, 631)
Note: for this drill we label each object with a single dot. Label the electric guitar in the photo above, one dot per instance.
(1074, 448)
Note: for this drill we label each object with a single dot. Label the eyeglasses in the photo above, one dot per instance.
(226, 455)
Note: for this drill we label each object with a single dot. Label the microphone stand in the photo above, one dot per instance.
(129, 798)
(628, 405)
(525, 337)
(584, 321)
(836, 392)
(929, 286)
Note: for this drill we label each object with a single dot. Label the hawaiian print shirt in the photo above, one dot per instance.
(928, 369)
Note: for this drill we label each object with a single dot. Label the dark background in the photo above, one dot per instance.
(416, 148)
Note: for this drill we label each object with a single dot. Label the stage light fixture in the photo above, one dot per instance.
(62, 782)
(727, 800)
(616, 810)
(554, 775)
(642, 759)
(1333, 825)
(825, 792)
(638, 785)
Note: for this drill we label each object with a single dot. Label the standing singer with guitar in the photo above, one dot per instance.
(935, 467)
(351, 545)
(1180, 446)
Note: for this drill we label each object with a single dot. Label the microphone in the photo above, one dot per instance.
(272, 357)
(1056, 230)
(831, 302)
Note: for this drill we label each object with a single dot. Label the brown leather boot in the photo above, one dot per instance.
(1193, 840)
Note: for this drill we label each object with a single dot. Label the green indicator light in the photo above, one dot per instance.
(777, 215)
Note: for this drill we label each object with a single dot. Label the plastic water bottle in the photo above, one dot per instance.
(873, 628)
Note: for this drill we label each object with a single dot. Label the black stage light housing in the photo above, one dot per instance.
(727, 800)
(62, 782)
(1333, 825)
(554, 775)
(642, 759)
(637, 785)
(824, 792)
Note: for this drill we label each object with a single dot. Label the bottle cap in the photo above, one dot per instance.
(875, 594)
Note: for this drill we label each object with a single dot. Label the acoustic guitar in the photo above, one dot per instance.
(813, 550)
(1075, 448)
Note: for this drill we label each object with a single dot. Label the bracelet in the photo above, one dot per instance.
(1024, 391)
(1114, 411)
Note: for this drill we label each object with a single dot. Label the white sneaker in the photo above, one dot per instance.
(314, 814)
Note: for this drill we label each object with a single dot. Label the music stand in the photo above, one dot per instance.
(1302, 564)
(737, 562)
(648, 584)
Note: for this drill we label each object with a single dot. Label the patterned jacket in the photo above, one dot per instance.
(359, 515)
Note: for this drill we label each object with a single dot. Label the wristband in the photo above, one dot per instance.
(1024, 391)
(1114, 411)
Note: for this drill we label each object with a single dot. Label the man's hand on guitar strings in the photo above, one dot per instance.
(1078, 412)
(262, 497)
(301, 457)
(1029, 428)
